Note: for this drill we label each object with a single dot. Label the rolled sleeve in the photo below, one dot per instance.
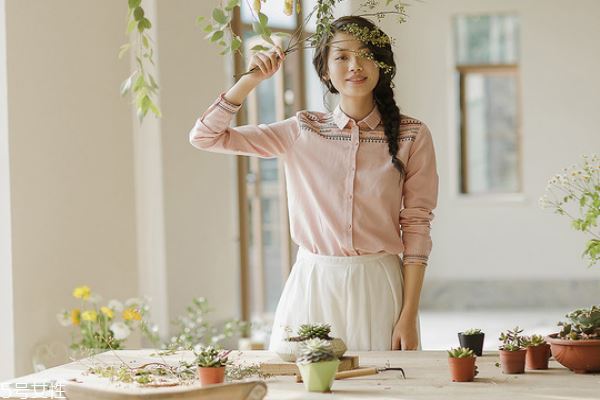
(420, 194)
(212, 132)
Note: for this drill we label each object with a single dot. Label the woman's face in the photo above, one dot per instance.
(351, 73)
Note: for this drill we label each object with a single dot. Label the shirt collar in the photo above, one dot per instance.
(341, 119)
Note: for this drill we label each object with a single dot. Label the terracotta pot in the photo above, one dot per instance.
(473, 342)
(462, 369)
(513, 362)
(211, 375)
(580, 356)
(537, 356)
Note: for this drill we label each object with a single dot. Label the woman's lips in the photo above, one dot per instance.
(356, 80)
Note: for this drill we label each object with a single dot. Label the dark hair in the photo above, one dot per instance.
(383, 92)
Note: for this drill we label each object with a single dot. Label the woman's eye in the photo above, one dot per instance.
(340, 57)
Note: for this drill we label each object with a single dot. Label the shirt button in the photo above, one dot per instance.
(350, 196)
(349, 226)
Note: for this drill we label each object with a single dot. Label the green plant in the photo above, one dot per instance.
(511, 340)
(579, 186)
(315, 350)
(106, 326)
(582, 323)
(472, 331)
(218, 30)
(460, 352)
(211, 357)
(311, 331)
(533, 340)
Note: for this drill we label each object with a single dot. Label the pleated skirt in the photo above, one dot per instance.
(359, 296)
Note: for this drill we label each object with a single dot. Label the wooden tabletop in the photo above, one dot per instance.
(427, 377)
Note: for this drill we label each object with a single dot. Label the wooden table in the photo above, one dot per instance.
(427, 377)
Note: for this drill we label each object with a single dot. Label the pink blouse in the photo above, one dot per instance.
(344, 195)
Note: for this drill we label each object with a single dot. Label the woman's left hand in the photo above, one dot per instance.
(405, 335)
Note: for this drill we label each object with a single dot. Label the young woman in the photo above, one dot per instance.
(361, 183)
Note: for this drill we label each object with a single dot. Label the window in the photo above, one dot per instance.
(486, 52)
(267, 251)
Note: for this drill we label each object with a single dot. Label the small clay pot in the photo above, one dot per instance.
(513, 362)
(462, 369)
(580, 356)
(211, 375)
(473, 342)
(537, 356)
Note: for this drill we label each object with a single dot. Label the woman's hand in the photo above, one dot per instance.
(405, 335)
(267, 63)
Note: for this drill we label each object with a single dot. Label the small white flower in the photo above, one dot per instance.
(120, 330)
(64, 318)
(115, 305)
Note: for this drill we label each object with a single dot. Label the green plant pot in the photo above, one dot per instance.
(318, 377)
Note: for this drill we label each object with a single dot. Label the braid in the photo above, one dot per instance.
(390, 116)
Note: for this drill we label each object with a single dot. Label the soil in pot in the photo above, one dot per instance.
(462, 369)
(211, 375)
(473, 342)
(513, 362)
(537, 356)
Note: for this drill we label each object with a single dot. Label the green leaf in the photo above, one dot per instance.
(138, 13)
(267, 38)
(282, 34)
(139, 82)
(134, 3)
(124, 49)
(216, 36)
(232, 4)
(147, 23)
(200, 19)
(208, 28)
(257, 28)
(131, 26)
(259, 47)
(154, 109)
(219, 16)
(236, 43)
(263, 19)
(145, 42)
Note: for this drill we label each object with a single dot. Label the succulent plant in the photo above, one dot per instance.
(584, 323)
(460, 352)
(472, 331)
(533, 340)
(315, 350)
(311, 331)
(511, 340)
(211, 357)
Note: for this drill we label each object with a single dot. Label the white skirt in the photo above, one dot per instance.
(359, 296)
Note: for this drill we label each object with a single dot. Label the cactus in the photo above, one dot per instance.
(511, 340)
(533, 340)
(472, 331)
(315, 350)
(460, 352)
(583, 324)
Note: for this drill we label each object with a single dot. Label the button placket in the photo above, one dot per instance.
(355, 139)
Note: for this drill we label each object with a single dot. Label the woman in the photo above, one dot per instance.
(361, 183)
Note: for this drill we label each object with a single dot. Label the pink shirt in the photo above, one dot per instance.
(344, 195)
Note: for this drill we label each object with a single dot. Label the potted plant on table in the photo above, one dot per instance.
(462, 364)
(512, 352)
(317, 364)
(577, 345)
(288, 347)
(472, 339)
(211, 363)
(538, 352)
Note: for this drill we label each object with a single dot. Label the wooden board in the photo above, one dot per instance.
(279, 367)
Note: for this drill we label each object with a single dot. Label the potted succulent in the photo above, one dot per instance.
(317, 364)
(462, 364)
(538, 352)
(577, 345)
(512, 352)
(472, 339)
(211, 364)
(287, 349)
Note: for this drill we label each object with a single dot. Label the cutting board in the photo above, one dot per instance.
(279, 367)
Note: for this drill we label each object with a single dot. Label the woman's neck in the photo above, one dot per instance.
(357, 108)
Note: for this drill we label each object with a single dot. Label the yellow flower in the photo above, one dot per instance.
(75, 316)
(108, 312)
(130, 313)
(82, 292)
(89, 315)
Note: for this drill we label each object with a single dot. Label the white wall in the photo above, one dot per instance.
(496, 238)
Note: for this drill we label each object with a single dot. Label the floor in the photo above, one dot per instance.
(439, 328)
